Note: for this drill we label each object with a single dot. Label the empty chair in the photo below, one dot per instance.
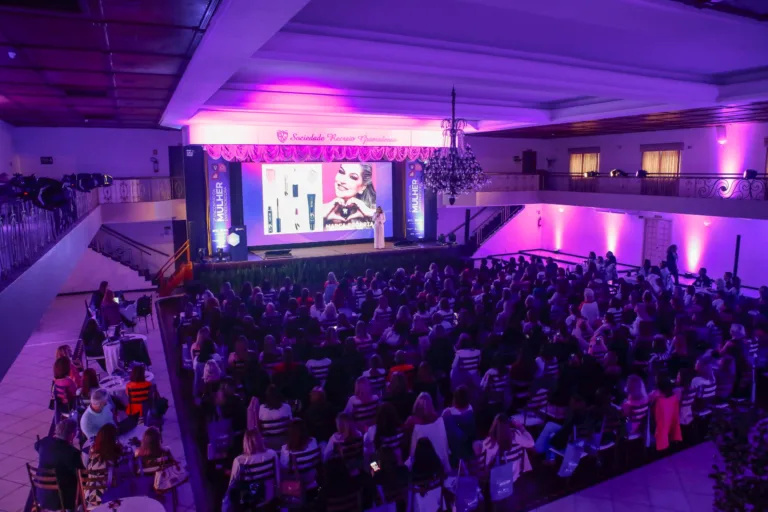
(144, 310)
(44, 480)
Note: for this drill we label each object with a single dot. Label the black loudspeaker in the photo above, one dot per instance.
(281, 253)
(404, 243)
(529, 162)
(237, 243)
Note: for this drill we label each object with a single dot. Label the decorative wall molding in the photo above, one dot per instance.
(273, 153)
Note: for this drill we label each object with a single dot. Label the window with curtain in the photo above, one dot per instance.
(584, 160)
(662, 159)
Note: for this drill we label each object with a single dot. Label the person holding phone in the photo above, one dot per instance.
(355, 199)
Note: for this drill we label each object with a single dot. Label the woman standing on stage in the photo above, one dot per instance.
(378, 228)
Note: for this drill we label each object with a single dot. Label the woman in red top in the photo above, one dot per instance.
(138, 390)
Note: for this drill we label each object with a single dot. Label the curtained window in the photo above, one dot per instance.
(662, 159)
(584, 160)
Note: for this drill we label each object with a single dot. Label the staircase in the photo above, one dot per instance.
(488, 228)
(162, 270)
(144, 260)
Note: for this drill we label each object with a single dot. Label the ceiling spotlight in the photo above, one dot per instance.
(750, 174)
(11, 54)
(618, 173)
(722, 136)
(641, 174)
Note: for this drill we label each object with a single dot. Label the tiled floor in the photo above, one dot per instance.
(677, 483)
(25, 392)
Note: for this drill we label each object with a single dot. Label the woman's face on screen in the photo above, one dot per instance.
(349, 181)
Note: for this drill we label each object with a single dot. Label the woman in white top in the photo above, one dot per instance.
(347, 432)
(254, 452)
(427, 424)
(329, 315)
(318, 307)
(503, 437)
(330, 286)
(589, 308)
(363, 395)
(299, 441)
(273, 407)
(382, 311)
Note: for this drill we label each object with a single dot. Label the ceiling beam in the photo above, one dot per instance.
(450, 64)
(238, 29)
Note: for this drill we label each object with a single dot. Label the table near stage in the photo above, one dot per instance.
(132, 504)
(115, 385)
(112, 350)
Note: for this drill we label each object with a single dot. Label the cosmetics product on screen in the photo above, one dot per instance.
(296, 190)
(269, 219)
(311, 205)
(277, 221)
(285, 183)
(296, 223)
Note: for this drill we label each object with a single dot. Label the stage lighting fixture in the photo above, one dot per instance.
(641, 174)
(721, 134)
(618, 173)
(750, 174)
(590, 174)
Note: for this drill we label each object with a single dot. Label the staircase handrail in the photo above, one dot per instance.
(473, 217)
(183, 250)
(130, 241)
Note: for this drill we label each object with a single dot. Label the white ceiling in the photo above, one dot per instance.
(513, 63)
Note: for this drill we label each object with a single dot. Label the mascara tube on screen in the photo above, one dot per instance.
(277, 221)
(269, 219)
(311, 205)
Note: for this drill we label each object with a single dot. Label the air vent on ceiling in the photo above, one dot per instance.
(86, 93)
(68, 6)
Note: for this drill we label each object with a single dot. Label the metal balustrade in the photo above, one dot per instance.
(695, 186)
(27, 232)
(143, 190)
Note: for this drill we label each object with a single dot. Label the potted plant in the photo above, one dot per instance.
(741, 476)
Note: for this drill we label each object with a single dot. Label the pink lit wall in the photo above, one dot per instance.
(522, 232)
(119, 152)
(703, 241)
(744, 149)
(497, 154)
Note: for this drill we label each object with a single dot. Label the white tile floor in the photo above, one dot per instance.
(678, 483)
(25, 392)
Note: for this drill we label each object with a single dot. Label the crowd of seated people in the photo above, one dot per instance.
(98, 430)
(393, 380)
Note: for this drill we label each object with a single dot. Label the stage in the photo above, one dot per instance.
(309, 266)
(324, 251)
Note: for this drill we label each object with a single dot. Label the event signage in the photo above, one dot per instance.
(414, 193)
(219, 207)
(335, 137)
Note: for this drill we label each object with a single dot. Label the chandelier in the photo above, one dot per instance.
(453, 169)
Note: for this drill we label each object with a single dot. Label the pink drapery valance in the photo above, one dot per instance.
(257, 153)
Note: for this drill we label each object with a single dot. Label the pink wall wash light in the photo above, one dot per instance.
(722, 136)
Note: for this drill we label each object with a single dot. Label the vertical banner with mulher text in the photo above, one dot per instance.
(414, 196)
(219, 208)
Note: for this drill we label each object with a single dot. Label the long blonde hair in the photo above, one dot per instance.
(501, 433)
(151, 444)
(363, 389)
(253, 443)
(424, 409)
(64, 351)
(346, 426)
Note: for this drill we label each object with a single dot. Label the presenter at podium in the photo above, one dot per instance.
(378, 228)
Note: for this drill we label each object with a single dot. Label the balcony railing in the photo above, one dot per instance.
(697, 186)
(27, 232)
(143, 190)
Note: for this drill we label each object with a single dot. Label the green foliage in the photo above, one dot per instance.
(741, 478)
(312, 272)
